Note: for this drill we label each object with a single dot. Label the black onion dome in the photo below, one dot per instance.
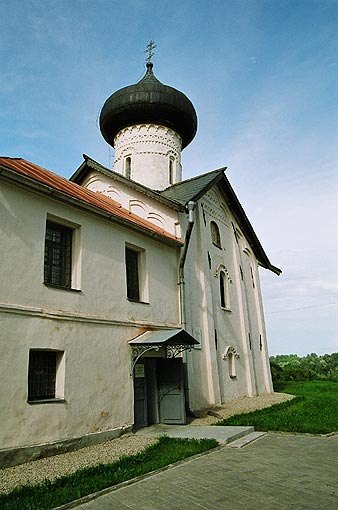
(148, 101)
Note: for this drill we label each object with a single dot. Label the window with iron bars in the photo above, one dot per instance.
(132, 273)
(41, 375)
(58, 255)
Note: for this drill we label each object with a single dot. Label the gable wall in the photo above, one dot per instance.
(232, 325)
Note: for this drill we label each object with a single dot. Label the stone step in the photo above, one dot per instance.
(223, 434)
(247, 439)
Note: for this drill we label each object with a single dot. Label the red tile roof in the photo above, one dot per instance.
(95, 199)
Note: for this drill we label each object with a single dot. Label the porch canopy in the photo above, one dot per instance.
(175, 341)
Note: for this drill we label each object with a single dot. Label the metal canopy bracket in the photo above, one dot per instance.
(174, 350)
(138, 350)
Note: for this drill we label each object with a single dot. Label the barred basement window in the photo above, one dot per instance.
(43, 382)
(58, 255)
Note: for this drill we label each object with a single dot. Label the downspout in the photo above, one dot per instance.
(191, 208)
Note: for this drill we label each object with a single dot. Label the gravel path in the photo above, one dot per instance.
(66, 463)
(129, 444)
(239, 406)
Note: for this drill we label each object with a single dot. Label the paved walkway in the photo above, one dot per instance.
(275, 472)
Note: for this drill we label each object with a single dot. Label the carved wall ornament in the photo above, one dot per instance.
(230, 350)
(219, 268)
(218, 215)
(213, 197)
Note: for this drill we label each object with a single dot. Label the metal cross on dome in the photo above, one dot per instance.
(151, 46)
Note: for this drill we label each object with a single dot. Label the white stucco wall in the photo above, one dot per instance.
(92, 325)
(209, 376)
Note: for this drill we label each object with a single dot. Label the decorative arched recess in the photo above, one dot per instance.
(230, 350)
(113, 193)
(94, 183)
(230, 354)
(157, 219)
(139, 208)
(221, 267)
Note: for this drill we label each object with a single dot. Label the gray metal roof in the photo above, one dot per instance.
(178, 195)
(194, 188)
(164, 337)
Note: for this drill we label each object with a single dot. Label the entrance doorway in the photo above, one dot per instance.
(159, 392)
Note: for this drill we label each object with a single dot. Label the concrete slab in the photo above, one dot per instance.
(223, 435)
(249, 438)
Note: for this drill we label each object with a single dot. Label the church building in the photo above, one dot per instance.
(130, 296)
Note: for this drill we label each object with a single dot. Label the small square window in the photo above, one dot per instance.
(45, 375)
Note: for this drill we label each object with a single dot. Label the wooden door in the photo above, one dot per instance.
(171, 392)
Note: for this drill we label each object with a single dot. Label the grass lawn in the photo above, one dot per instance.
(314, 410)
(49, 495)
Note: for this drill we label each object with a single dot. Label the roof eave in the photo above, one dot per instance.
(245, 225)
(37, 186)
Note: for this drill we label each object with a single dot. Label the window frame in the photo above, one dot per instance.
(215, 234)
(224, 290)
(74, 262)
(53, 373)
(141, 294)
(127, 166)
(171, 170)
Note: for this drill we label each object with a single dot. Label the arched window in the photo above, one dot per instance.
(127, 167)
(223, 289)
(215, 235)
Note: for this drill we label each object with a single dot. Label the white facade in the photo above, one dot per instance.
(107, 318)
(89, 327)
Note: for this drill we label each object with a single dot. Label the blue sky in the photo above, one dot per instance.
(263, 77)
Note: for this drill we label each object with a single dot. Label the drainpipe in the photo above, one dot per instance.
(191, 208)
